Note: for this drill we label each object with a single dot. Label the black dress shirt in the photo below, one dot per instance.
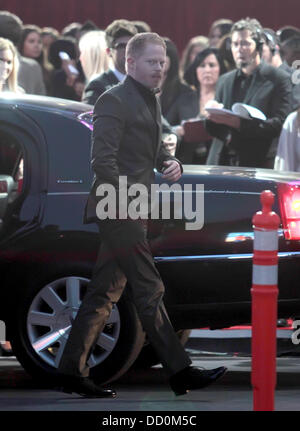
(242, 84)
(148, 95)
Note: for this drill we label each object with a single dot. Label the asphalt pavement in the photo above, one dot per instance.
(144, 399)
(148, 390)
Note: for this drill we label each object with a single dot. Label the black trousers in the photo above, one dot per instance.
(124, 255)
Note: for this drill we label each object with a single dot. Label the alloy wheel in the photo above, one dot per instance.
(51, 315)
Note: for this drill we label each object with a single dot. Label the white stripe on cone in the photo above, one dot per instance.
(265, 274)
(266, 240)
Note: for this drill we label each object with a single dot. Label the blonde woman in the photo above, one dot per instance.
(9, 65)
(288, 151)
(93, 55)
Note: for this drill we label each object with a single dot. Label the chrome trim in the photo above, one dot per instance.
(219, 257)
(235, 237)
(66, 193)
(69, 181)
(232, 192)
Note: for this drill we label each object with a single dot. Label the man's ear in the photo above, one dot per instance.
(130, 63)
(108, 52)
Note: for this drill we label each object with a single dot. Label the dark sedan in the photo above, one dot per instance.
(47, 254)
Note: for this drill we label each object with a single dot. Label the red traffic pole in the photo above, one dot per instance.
(264, 304)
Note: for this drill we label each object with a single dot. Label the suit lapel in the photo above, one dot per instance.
(142, 108)
(158, 124)
(229, 92)
(112, 78)
(258, 81)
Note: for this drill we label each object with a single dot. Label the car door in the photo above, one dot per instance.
(209, 268)
(23, 171)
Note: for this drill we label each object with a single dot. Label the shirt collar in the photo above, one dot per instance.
(120, 76)
(144, 89)
(241, 74)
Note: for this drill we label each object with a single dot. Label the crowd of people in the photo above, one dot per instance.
(236, 62)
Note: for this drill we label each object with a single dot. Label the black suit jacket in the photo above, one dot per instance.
(126, 141)
(98, 86)
(270, 91)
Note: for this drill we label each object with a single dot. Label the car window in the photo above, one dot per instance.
(11, 176)
(11, 156)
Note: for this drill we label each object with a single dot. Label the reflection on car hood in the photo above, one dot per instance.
(64, 106)
(242, 172)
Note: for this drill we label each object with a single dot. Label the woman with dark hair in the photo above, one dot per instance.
(178, 100)
(203, 75)
(31, 46)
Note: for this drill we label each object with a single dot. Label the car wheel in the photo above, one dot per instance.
(148, 357)
(45, 318)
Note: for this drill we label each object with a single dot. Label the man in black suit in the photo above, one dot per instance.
(117, 35)
(272, 54)
(127, 142)
(245, 142)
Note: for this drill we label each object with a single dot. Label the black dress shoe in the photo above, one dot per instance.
(85, 387)
(193, 378)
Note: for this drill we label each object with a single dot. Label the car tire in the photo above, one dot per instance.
(124, 336)
(148, 357)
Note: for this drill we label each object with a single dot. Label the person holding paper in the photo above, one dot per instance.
(203, 75)
(240, 141)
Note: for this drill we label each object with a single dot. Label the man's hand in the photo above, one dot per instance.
(172, 171)
(227, 119)
(213, 104)
(179, 130)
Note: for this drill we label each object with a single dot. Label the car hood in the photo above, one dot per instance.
(242, 173)
(62, 106)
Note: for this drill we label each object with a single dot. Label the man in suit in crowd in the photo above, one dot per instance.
(272, 54)
(245, 142)
(30, 76)
(117, 35)
(127, 142)
(290, 49)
